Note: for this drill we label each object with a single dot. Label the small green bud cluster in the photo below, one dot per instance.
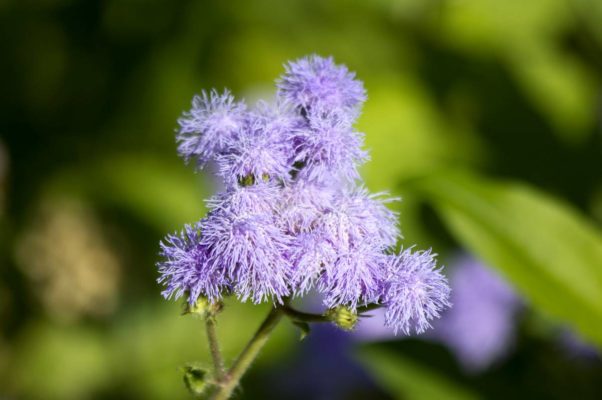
(343, 317)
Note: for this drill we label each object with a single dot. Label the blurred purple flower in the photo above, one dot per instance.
(210, 126)
(576, 346)
(480, 327)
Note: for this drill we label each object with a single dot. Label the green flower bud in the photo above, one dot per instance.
(248, 180)
(203, 307)
(343, 317)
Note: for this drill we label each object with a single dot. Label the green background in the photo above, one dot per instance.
(483, 115)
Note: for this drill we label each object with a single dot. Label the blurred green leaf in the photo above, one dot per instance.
(550, 252)
(54, 362)
(557, 83)
(406, 379)
(164, 193)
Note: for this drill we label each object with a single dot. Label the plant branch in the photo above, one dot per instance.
(248, 355)
(297, 315)
(369, 307)
(218, 361)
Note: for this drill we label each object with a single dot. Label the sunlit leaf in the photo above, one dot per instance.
(551, 253)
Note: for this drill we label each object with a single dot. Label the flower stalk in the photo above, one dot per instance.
(248, 355)
(216, 355)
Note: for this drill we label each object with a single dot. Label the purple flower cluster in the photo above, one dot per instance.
(294, 215)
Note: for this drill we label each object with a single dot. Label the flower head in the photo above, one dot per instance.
(261, 197)
(292, 216)
(258, 153)
(356, 216)
(301, 204)
(369, 215)
(185, 267)
(317, 81)
(310, 254)
(328, 147)
(210, 126)
(355, 278)
(250, 249)
(416, 291)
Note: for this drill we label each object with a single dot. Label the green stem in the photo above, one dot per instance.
(369, 307)
(246, 357)
(218, 361)
(296, 315)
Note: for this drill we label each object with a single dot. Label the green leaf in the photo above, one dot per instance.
(196, 379)
(303, 327)
(407, 379)
(552, 254)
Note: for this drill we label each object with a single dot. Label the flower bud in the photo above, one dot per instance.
(343, 317)
(203, 307)
(247, 180)
(196, 379)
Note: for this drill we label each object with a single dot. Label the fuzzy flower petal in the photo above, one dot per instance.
(310, 254)
(279, 118)
(355, 278)
(301, 204)
(185, 267)
(258, 153)
(416, 292)
(369, 214)
(328, 147)
(210, 126)
(262, 197)
(314, 80)
(356, 216)
(250, 249)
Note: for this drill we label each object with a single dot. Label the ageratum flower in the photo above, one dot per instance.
(415, 293)
(316, 81)
(250, 249)
(185, 267)
(210, 126)
(294, 215)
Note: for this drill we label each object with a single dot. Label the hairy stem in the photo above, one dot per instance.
(246, 357)
(218, 361)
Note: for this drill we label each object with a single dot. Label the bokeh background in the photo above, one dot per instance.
(485, 116)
